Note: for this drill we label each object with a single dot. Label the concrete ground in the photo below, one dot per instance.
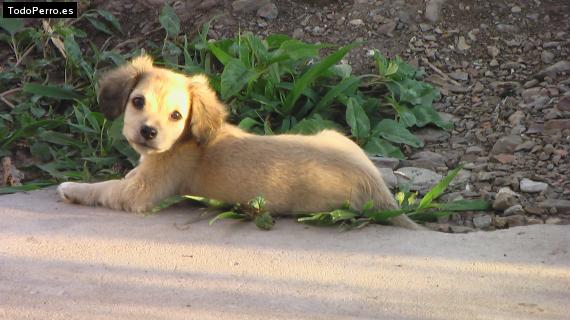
(60, 261)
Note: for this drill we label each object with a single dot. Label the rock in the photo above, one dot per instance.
(433, 8)
(474, 150)
(419, 179)
(482, 221)
(553, 70)
(486, 176)
(516, 118)
(507, 28)
(356, 22)
(531, 221)
(298, 33)
(516, 220)
(503, 158)
(389, 177)
(460, 229)
(462, 178)
(493, 51)
(557, 125)
(425, 159)
(529, 186)
(385, 162)
(547, 57)
(562, 206)
(462, 44)
(505, 199)
(516, 209)
(516, 9)
(441, 227)
(525, 146)
(432, 135)
(564, 103)
(268, 11)
(553, 220)
(459, 75)
(387, 28)
(506, 145)
(248, 5)
(500, 222)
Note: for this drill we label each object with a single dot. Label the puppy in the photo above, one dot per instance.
(178, 125)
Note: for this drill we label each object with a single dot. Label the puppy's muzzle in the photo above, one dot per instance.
(148, 133)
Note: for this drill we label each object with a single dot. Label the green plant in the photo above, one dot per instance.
(272, 85)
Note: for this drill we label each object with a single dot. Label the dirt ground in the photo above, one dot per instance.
(502, 68)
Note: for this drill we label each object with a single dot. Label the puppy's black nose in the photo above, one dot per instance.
(148, 133)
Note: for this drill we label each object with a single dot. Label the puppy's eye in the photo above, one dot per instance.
(175, 116)
(138, 102)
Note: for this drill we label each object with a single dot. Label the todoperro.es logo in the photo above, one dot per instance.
(39, 9)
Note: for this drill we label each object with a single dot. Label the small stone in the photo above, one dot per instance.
(248, 5)
(547, 57)
(516, 209)
(389, 177)
(459, 75)
(506, 145)
(385, 162)
(441, 227)
(517, 118)
(557, 125)
(356, 22)
(558, 67)
(562, 206)
(505, 199)
(531, 221)
(425, 159)
(474, 150)
(298, 33)
(486, 176)
(504, 158)
(500, 222)
(525, 146)
(530, 186)
(516, 9)
(269, 11)
(460, 229)
(462, 44)
(553, 220)
(433, 8)
(516, 220)
(387, 28)
(420, 179)
(482, 221)
(493, 51)
(507, 28)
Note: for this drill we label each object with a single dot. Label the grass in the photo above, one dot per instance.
(272, 85)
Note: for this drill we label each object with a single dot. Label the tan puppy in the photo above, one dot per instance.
(178, 125)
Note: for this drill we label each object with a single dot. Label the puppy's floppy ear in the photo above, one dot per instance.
(208, 113)
(116, 86)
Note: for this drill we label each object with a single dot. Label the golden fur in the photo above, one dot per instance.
(203, 155)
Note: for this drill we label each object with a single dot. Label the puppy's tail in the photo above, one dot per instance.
(384, 200)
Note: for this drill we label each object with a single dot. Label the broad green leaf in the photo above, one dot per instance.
(41, 151)
(100, 26)
(60, 139)
(340, 88)
(248, 123)
(357, 119)
(29, 186)
(169, 21)
(220, 54)
(315, 125)
(393, 131)
(11, 25)
(111, 18)
(29, 130)
(439, 188)
(462, 205)
(427, 115)
(228, 215)
(116, 57)
(321, 218)
(264, 221)
(312, 74)
(383, 215)
(275, 40)
(235, 77)
(51, 91)
(380, 147)
(295, 50)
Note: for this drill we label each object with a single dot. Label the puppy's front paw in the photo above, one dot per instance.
(67, 191)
